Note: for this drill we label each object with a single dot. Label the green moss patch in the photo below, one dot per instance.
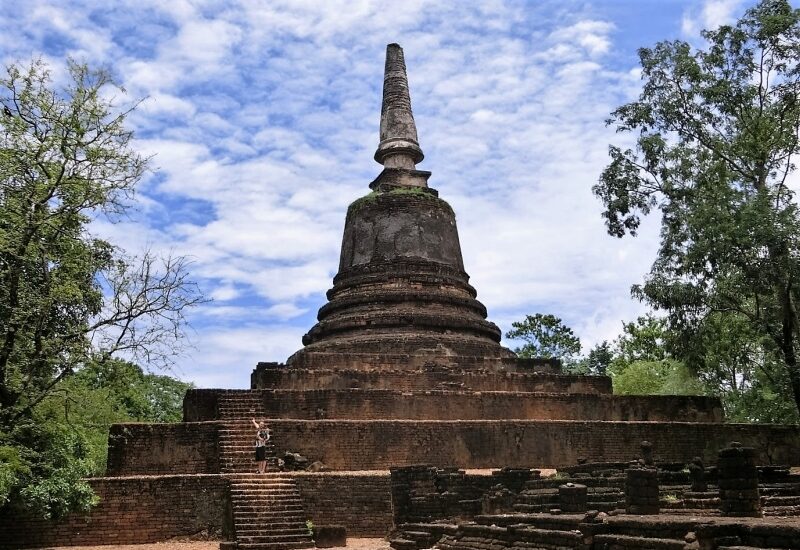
(416, 191)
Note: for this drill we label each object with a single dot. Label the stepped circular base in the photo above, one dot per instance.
(401, 287)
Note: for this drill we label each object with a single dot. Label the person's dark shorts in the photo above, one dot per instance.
(261, 454)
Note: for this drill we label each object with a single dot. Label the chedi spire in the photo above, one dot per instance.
(399, 149)
(399, 146)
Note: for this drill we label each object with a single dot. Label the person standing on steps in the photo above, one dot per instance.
(262, 437)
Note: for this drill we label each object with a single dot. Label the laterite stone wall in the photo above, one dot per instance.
(377, 445)
(271, 377)
(381, 444)
(132, 510)
(155, 449)
(361, 501)
(368, 404)
(457, 405)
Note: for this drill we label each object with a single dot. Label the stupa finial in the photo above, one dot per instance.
(399, 147)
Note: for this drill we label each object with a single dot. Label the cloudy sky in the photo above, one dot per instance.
(262, 117)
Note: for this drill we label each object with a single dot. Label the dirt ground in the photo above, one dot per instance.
(352, 544)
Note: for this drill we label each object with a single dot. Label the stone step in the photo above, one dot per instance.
(246, 466)
(257, 500)
(268, 533)
(286, 524)
(262, 485)
(240, 500)
(246, 469)
(277, 516)
(249, 505)
(249, 469)
(261, 479)
(244, 460)
(424, 539)
(270, 518)
(638, 543)
(242, 439)
(242, 503)
(265, 491)
(267, 497)
(687, 511)
(265, 484)
(252, 523)
(769, 489)
(403, 544)
(292, 508)
(276, 477)
(236, 452)
(785, 511)
(269, 530)
(781, 501)
(263, 515)
(275, 546)
(274, 538)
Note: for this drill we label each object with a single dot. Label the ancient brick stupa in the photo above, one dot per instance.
(401, 289)
(401, 369)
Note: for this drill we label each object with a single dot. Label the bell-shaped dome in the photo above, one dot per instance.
(401, 289)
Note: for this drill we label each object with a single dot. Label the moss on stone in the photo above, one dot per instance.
(416, 191)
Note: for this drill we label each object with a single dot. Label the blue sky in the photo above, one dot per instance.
(263, 118)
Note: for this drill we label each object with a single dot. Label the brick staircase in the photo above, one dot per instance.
(242, 404)
(237, 433)
(268, 513)
(237, 448)
(267, 508)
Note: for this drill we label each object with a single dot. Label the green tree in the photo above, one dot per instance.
(646, 339)
(644, 365)
(545, 336)
(102, 394)
(716, 135)
(599, 358)
(734, 363)
(67, 298)
(666, 377)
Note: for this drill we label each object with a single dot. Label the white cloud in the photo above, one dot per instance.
(710, 15)
(591, 36)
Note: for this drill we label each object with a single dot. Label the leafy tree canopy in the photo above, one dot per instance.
(716, 134)
(69, 301)
(644, 365)
(545, 336)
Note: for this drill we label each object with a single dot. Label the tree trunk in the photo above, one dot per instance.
(788, 344)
